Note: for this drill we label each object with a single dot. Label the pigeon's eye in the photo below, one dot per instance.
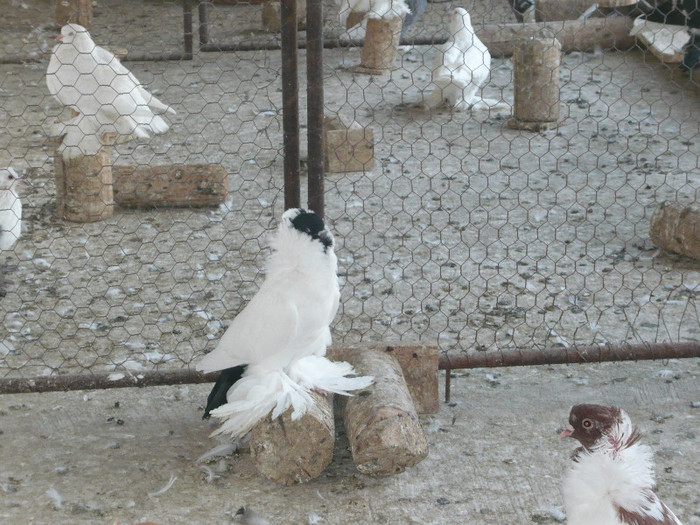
(587, 423)
(11, 177)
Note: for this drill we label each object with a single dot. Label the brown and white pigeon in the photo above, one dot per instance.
(612, 481)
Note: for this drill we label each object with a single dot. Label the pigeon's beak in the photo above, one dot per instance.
(59, 37)
(566, 432)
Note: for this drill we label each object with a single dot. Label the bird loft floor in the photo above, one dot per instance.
(495, 459)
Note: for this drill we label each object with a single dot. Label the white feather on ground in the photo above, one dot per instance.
(108, 97)
(10, 208)
(461, 68)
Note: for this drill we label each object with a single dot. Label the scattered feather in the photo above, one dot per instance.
(55, 497)
(165, 489)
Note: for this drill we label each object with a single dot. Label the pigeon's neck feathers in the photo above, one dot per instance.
(621, 436)
(603, 483)
(293, 251)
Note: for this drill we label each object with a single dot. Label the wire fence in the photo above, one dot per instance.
(487, 240)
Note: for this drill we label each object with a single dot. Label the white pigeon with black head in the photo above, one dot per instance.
(272, 354)
(612, 480)
(461, 68)
(10, 208)
(108, 97)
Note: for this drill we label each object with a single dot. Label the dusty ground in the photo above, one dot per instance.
(466, 232)
(494, 455)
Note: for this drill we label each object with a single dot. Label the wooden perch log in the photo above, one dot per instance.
(536, 84)
(381, 422)
(74, 11)
(272, 15)
(84, 190)
(676, 228)
(574, 35)
(185, 185)
(291, 452)
(419, 364)
(381, 44)
(347, 146)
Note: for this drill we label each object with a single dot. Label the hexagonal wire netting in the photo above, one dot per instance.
(466, 233)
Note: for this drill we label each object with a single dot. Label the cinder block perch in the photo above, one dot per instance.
(676, 228)
(664, 41)
(173, 185)
(291, 452)
(419, 364)
(536, 84)
(347, 145)
(381, 421)
(380, 46)
(84, 190)
(574, 35)
(272, 19)
(74, 11)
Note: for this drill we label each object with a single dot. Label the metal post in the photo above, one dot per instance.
(290, 104)
(314, 111)
(203, 23)
(187, 22)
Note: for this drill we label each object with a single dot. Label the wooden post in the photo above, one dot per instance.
(354, 18)
(272, 15)
(74, 11)
(381, 422)
(180, 185)
(536, 84)
(84, 185)
(347, 146)
(291, 452)
(419, 364)
(380, 46)
(676, 228)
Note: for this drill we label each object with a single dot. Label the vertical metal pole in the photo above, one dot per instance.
(290, 104)
(203, 22)
(314, 110)
(187, 21)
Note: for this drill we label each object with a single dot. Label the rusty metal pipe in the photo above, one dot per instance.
(290, 104)
(314, 109)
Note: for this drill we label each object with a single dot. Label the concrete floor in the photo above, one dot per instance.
(494, 455)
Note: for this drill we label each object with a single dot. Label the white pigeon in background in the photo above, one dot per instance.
(10, 208)
(462, 66)
(272, 354)
(108, 97)
(612, 481)
(373, 9)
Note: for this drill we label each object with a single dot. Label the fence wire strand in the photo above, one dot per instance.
(461, 231)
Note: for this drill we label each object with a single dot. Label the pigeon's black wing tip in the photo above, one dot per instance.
(217, 396)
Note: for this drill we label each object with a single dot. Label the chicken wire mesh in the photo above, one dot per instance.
(465, 232)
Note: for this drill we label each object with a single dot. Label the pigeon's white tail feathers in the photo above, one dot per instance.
(254, 397)
(319, 373)
(155, 103)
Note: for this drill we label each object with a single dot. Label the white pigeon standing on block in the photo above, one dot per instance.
(107, 96)
(612, 481)
(10, 208)
(462, 66)
(272, 354)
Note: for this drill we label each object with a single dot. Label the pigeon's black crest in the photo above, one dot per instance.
(312, 224)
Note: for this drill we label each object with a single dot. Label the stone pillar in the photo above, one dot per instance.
(536, 83)
(84, 185)
(74, 11)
